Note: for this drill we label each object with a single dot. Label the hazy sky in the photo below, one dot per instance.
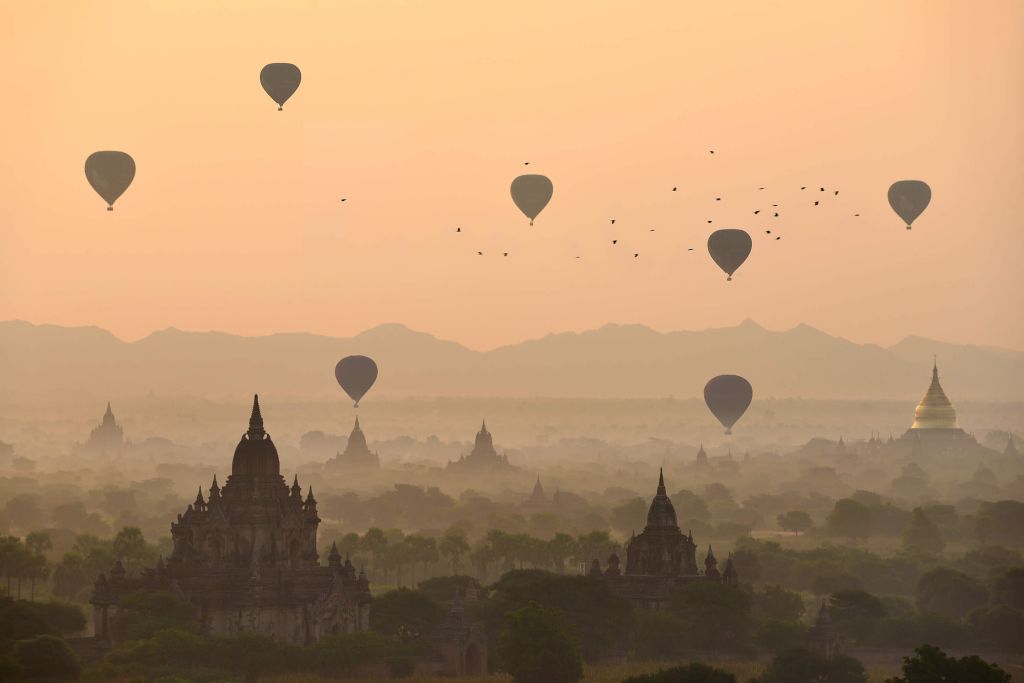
(421, 113)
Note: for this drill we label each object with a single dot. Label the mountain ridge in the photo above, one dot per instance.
(612, 361)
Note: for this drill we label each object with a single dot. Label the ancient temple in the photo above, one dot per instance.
(537, 502)
(702, 457)
(823, 637)
(483, 457)
(246, 557)
(106, 438)
(661, 558)
(357, 455)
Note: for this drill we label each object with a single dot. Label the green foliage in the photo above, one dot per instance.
(1000, 625)
(930, 664)
(775, 602)
(21, 619)
(1001, 522)
(805, 666)
(715, 616)
(1008, 588)
(602, 620)
(344, 654)
(443, 589)
(629, 516)
(922, 535)
(796, 521)
(695, 672)
(849, 519)
(537, 646)
(46, 657)
(776, 636)
(405, 614)
(949, 593)
(659, 635)
(144, 613)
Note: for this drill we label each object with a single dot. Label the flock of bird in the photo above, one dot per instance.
(111, 172)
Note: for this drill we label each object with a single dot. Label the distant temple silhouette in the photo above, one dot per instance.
(247, 558)
(661, 558)
(357, 455)
(107, 438)
(483, 457)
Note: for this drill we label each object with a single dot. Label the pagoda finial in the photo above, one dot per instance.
(661, 481)
(356, 428)
(483, 426)
(256, 420)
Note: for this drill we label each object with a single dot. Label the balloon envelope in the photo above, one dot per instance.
(280, 80)
(531, 193)
(356, 374)
(110, 174)
(728, 397)
(909, 199)
(729, 248)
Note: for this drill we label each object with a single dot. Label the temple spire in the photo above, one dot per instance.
(256, 420)
(661, 481)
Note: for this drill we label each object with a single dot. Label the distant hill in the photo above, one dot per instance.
(44, 362)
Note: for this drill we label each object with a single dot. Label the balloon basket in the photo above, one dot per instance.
(280, 108)
(728, 432)
(729, 279)
(110, 208)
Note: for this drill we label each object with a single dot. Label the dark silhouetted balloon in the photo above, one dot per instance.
(110, 174)
(280, 81)
(909, 199)
(356, 374)
(728, 397)
(729, 248)
(531, 193)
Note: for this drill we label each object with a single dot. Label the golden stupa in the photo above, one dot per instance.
(935, 411)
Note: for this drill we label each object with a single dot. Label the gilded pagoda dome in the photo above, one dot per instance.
(935, 410)
(256, 455)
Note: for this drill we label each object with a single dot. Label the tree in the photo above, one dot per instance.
(796, 521)
(442, 589)
(922, 535)
(374, 542)
(856, 613)
(536, 646)
(130, 546)
(775, 602)
(1008, 588)
(695, 672)
(559, 549)
(930, 664)
(406, 614)
(849, 519)
(629, 516)
(805, 666)
(454, 546)
(716, 616)
(1001, 625)
(1001, 523)
(949, 593)
(46, 657)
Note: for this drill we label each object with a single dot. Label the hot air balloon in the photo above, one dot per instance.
(729, 248)
(280, 80)
(909, 199)
(356, 374)
(728, 397)
(531, 193)
(110, 174)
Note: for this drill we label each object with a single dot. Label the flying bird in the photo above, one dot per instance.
(613, 221)
(815, 203)
(343, 198)
(690, 249)
(505, 254)
(778, 238)
(674, 189)
(479, 253)
(635, 255)
(757, 212)
(458, 229)
(856, 214)
(712, 151)
(823, 189)
(526, 163)
(709, 221)
(768, 232)
(804, 187)
(718, 199)
(776, 215)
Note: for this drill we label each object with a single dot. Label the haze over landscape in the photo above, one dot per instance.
(512, 342)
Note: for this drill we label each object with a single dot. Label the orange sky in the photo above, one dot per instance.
(421, 113)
